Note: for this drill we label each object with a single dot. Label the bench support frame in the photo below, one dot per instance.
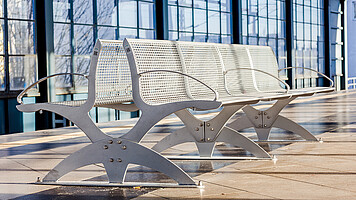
(263, 121)
(205, 134)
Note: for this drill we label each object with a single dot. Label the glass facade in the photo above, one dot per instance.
(78, 23)
(200, 20)
(264, 23)
(17, 44)
(308, 39)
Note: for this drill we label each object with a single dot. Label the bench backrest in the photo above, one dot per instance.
(207, 62)
(263, 58)
(202, 61)
(112, 76)
(237, 81)
(199, 60)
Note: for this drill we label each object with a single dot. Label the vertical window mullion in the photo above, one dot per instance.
(72, 52)
(95, 20)
(6, 49)
(207, 20)
(138, 19)
(117, 25)
(193, 27)
(178, 27)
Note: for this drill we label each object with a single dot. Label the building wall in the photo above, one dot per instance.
(351, 36)
(72, 27)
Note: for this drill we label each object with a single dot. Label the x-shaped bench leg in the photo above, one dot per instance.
(114, 153)
(205, 134)
(263, 121)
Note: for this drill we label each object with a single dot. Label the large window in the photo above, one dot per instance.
(78, 23)
(17, 44)
(263, 23)
(308, 40)
(200, 20)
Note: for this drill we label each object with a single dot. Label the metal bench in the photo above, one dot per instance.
(246, 72)
(109, 85)
(262, 58)
(166, 73)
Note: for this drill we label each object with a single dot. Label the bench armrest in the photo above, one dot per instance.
(280, 80)
(19, 97)
(180, 73)
(331, 81)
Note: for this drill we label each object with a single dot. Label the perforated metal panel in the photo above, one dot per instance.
(263, 58)
(159, 87)
(238, 81)
(113, 78)
(202, 61)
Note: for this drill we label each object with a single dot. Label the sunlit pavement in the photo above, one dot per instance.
(303, 170)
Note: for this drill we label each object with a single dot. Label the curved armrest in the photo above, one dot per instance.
(273, 76)
(19, 97)
(180, 73)
(331, 81)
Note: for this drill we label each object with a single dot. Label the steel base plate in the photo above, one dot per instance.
(214, 158)
(285, 141)
(126, 184)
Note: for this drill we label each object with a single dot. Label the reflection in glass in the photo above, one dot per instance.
(81, 66)
(200, 4)
(199, 37)
(83, 11)
(21, 40)
(252, 26)
(272, 9)
(226, 39)
(214, 22)
(127, 33)
(61, 10)
(185, 19)
(262, 8)
(213, 4)
(146, 15)
(61, 39)
(108, 33)
(83, 39)
(107, 12)
(147, 34)
(22, 71)
(213, 38)
(225, 23)
(128, 13)
(262, 31)
(185, 3)
(172, 18)
(63, 64)
(272, 28)
(199, 20)
(1, 8)
(225, 5)
(20, 9)
(173, 35)
(1, 36)
(185, 36)
(2, 74)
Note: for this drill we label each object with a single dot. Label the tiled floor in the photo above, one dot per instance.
(304, 170)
